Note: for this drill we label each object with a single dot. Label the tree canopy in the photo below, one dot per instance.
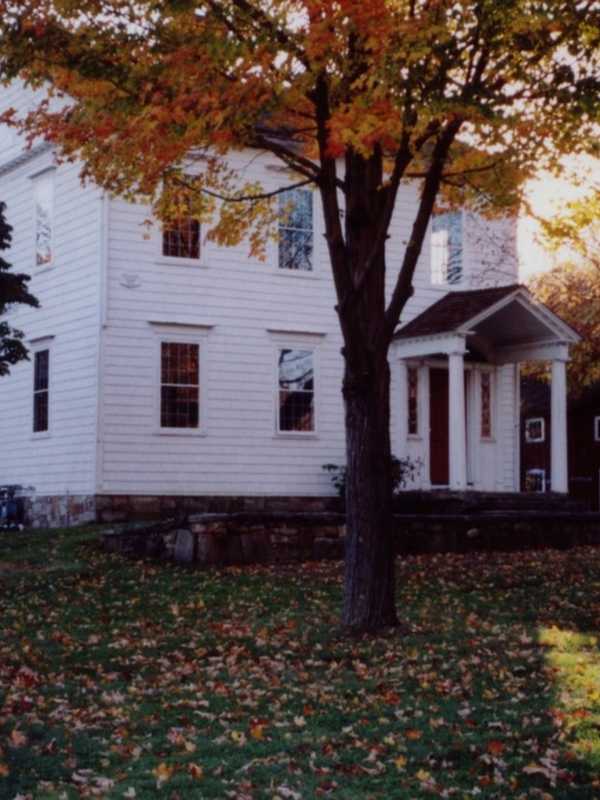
(13, 289)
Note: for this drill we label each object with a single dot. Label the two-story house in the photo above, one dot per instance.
(165, 369)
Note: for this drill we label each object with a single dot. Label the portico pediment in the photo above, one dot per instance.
(500, 325)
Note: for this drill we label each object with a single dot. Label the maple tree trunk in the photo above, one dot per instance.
(369, 587)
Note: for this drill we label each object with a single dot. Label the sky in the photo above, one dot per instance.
(547, 195)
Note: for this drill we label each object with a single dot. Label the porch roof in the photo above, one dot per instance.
(502, 324)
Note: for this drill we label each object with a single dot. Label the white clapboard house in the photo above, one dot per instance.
(165, 367)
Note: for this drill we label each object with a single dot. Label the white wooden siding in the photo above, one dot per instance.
(63, 461)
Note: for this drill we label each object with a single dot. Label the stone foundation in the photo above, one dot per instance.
(59, 511)
(250, 538)
(124, 508)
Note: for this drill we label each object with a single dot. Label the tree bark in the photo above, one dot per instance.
(369, 587)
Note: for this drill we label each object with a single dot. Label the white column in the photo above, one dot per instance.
(402, 443)
(456, 421)
(558, 441)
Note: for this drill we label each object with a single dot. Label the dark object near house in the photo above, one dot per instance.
(12, 508)
(583, 436)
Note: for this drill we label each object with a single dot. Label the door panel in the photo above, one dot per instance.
(438, 427)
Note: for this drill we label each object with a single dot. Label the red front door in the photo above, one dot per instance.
(438, 427)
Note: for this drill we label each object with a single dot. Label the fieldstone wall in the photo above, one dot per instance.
(247, 538)
(59, 511)
(123, 508)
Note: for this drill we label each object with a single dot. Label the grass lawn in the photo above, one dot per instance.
(128, 679)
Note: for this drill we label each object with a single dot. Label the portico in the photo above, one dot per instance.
(479, 338)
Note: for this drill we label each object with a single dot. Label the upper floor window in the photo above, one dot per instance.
(179, 385)
(41, 388)
(486, 405)
(413, 401)
(535, 430)
(597, 429)
(296, 230)
(181, 239)
(43, 192)
(296, 391)
(447, 248)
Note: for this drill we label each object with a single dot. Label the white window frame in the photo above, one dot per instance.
(38, 346)
(305, 273)
(182, 334)
(46, 175)
(541, 473)
(160, 258)
(597, 429)
(296, 340)
(537, 439)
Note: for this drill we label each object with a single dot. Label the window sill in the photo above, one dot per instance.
(180, 432)
(295, 435)
(488, 439)
(297, 273)
(39, 270)
(40, 435)
(414, 437)
(537, 441)
(181, 262)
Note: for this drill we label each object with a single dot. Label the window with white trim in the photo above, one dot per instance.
(447, 248)
(535, 430)
(535, 480)
(413, 401)
(43, 194)
(296, 230)
(597, 429)
(41, 390)
(181, 239)
(179, 385)
(296, 391)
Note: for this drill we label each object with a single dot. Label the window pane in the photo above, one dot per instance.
(296, 229)
(295, 250)
(296, 370)
(447, 248)
(296, 390)
(486, 405)
(41, 364)
(40, 412)
(179, 407)
(413, 401)
(44, 209)
(182, 239)
(179, 363)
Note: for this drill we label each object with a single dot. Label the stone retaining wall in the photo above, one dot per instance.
(249, 538)
(59, 511)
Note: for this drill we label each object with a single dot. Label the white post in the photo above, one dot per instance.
(402, 445)
(558, 440)
(456, 422)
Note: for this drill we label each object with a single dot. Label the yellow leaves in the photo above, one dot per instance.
(400, 763)
(257, 731)
(239, 737)
(163, 773)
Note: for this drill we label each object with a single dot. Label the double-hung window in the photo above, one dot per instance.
(296, 230)
(296, 391)
(179, 385)
(447, 248)
(43, 194)
(535, 430)
(181, 239)
(41, 390)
